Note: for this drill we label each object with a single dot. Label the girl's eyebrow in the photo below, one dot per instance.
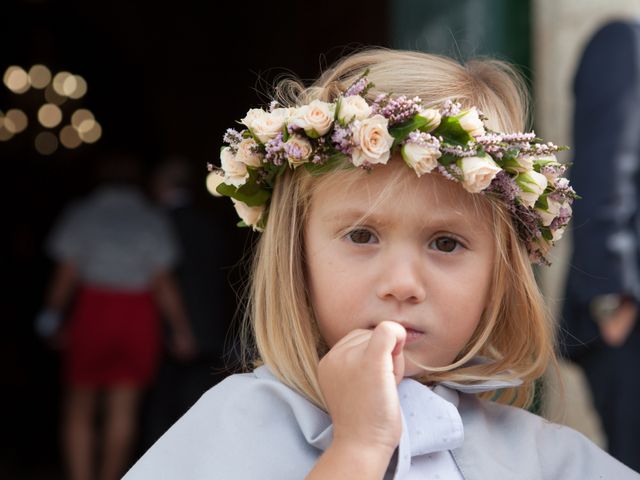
(345, 214)
(454, 221)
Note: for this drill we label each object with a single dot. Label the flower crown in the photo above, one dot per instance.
(518, 168)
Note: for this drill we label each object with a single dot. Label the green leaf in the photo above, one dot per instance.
(271, 172)
(252, 193)
(447, 159)
(543, 162)
(451, 131)
(337, 111)
(401, 131)
(311, 133)
(542, 203)
(509, 162)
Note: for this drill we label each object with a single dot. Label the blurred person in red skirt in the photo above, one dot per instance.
(114, 252)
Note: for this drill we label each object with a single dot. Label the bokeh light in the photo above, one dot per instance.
(16, 79)
(46, 143)
(57, 89)
(51, 96)
(40, 76)
(49, 115)
(80, 116)
(75, 87)
(59, 81)
(69, 137)
(90, 131)
(5, 134)
(69, 85)
(16, 121)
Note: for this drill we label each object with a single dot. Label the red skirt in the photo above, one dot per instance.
(113, 337)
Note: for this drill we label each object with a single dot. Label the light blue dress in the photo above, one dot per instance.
(251, 426)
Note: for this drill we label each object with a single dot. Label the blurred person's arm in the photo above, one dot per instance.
(60, 290)
(170, 303)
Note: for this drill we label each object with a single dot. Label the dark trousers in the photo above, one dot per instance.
(614, 377)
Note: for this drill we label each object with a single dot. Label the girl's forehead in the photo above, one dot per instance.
(395, 184)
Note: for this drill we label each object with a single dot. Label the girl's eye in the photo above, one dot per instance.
(361, 235)
(445, 244)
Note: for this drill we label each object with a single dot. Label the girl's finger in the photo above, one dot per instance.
(387, 338)
(398, 365)
(353, 338)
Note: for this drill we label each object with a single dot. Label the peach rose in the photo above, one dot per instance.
(421, 158)
(316, 118)
(249, 215)
(266, 125)
(247, 154)
(373, 141)
(478, 172)
(235, 172)
(298, 150)
(471, 123)
(353, 107)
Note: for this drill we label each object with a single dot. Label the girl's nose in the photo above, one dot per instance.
(402, 277)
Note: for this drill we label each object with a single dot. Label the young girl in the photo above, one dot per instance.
(392, 304)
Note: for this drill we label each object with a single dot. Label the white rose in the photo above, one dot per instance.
(557, 234)
(249, 215)
(298, 150)
(373, 141)
(421, 158)
(524, 164)
(246, 153)
(551, 212)
(266, 125)
(554, 210)
(214, 179)
(478, 172)
(532, 184)
(433, 118)
(316, 118)
(235, 172)
(471, 123)
(353, 107)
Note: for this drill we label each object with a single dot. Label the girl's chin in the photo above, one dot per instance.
(411, 370)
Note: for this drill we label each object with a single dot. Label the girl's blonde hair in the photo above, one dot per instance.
(515, 331)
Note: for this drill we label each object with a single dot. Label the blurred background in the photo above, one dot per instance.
(164, 80)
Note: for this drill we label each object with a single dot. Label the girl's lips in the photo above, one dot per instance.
(413, 335)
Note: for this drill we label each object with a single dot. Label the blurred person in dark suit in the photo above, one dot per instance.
(113, 251)
(202, 284)
(600, 329)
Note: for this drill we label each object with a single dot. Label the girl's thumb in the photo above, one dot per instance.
(388, 339)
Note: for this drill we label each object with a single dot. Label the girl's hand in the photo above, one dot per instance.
(183, 345)
(358, 378)
(616, 329)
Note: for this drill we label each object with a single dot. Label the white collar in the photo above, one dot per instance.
(430, 418)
